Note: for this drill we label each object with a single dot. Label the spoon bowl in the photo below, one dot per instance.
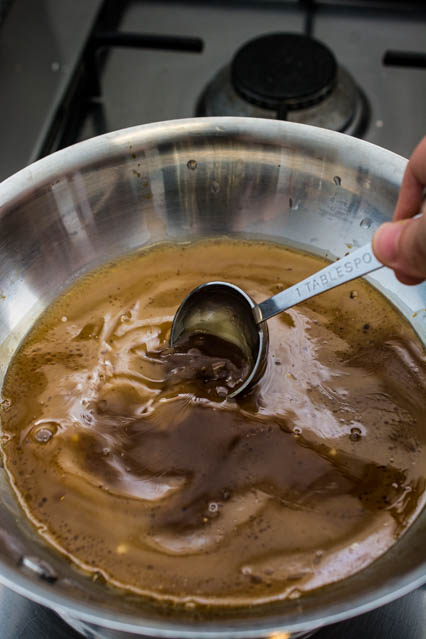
(226, 311)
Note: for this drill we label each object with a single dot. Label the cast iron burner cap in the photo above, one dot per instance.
(284, 71)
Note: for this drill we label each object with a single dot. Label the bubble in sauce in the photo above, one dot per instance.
(44, 433)
(356, 434)
(5, 404)
(213, 507)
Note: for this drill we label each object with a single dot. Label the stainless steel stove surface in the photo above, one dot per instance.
(145, 86)
(100, 65)
(96, 66)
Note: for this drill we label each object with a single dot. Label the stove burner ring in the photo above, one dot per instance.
(322, 93)
(284, 71)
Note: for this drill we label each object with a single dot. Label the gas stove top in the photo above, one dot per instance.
(101, 65)
(95, 66)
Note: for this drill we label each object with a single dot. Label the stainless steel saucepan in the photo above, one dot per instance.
(302, 186)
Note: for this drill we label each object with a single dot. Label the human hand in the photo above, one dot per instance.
(401, 244)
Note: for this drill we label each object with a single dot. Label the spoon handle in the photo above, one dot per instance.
(357, 263)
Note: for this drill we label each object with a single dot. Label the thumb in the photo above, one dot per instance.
(402, 246)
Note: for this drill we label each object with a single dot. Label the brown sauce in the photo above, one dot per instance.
(167, 489)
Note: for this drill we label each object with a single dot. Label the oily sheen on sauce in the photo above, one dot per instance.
(145, 474)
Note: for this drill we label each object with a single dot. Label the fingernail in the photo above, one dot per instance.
(385, 242)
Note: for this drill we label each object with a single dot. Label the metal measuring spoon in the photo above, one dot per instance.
(226, 311)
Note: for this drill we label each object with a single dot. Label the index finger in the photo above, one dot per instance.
(413, 184)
